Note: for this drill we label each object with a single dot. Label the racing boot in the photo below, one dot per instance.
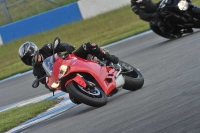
(107, 56)
(93, 49)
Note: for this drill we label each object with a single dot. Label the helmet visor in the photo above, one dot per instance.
(27, 60)
(34, 59)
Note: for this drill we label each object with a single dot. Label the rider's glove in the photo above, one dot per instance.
(69, 48)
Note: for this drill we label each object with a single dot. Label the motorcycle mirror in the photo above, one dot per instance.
(56, 42)
(54, 45)
(35, 84)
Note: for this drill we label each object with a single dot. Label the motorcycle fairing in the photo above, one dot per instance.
(102, 74)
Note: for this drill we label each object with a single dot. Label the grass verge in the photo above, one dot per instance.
(14, 117)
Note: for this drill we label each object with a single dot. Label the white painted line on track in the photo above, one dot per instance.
(33, 100)
(59, 108)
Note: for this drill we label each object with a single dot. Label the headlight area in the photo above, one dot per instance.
(183, 5)
(63, 71)
(55, 85)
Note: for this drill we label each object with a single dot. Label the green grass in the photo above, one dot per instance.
(14, 117)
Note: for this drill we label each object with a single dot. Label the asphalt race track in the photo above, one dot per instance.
(169, 101)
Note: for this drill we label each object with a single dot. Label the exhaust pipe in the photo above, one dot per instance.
(120, 81)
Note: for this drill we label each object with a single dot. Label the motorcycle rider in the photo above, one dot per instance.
(147, 11)
(32, 56)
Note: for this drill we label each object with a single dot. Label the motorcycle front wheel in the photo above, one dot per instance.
(133, 78)
(91, 96)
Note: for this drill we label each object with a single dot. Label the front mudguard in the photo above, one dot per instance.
(79, 80)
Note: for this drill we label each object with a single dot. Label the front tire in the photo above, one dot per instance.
(92, 97)
(133, 78)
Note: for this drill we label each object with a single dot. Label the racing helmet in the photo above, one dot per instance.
(28, 53)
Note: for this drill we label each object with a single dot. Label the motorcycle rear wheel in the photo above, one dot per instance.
(133, 78)
(95, 97)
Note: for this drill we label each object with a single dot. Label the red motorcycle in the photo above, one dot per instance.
(89, 81)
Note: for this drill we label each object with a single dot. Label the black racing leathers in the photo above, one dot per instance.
(145, 10)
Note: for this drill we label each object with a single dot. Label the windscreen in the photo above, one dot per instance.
(48, 65)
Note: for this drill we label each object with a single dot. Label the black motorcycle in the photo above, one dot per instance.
(177, 17)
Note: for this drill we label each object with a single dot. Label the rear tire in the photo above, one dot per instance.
(133, 84)
(133, 78)
(95, 98)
